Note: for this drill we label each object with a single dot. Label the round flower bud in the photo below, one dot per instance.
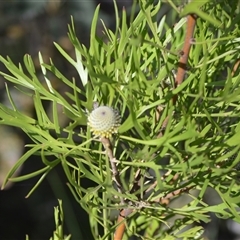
(104, 121)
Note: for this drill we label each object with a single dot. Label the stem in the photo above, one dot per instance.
(116, 178)
(182, 64)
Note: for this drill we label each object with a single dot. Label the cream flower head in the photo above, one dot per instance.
(104, 121)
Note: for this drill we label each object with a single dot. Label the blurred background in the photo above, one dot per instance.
(27, 27)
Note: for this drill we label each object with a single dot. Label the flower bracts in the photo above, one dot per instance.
(104, 121)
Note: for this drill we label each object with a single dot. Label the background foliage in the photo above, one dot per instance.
(133, 69)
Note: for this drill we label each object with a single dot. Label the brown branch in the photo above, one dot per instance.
(166, 199)
(118, 235)
(182, 64)
(235, 67)
(116, 178)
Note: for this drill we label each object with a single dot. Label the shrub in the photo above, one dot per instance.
(176, 89)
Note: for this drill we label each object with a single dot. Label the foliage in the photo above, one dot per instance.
(59, 219)
(133, 70)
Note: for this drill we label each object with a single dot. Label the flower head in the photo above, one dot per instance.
(104, 121)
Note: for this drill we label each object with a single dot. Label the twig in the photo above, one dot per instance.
(166, 199)
(182, 64)
(121, 221)
(235, 67)
(116, 178)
